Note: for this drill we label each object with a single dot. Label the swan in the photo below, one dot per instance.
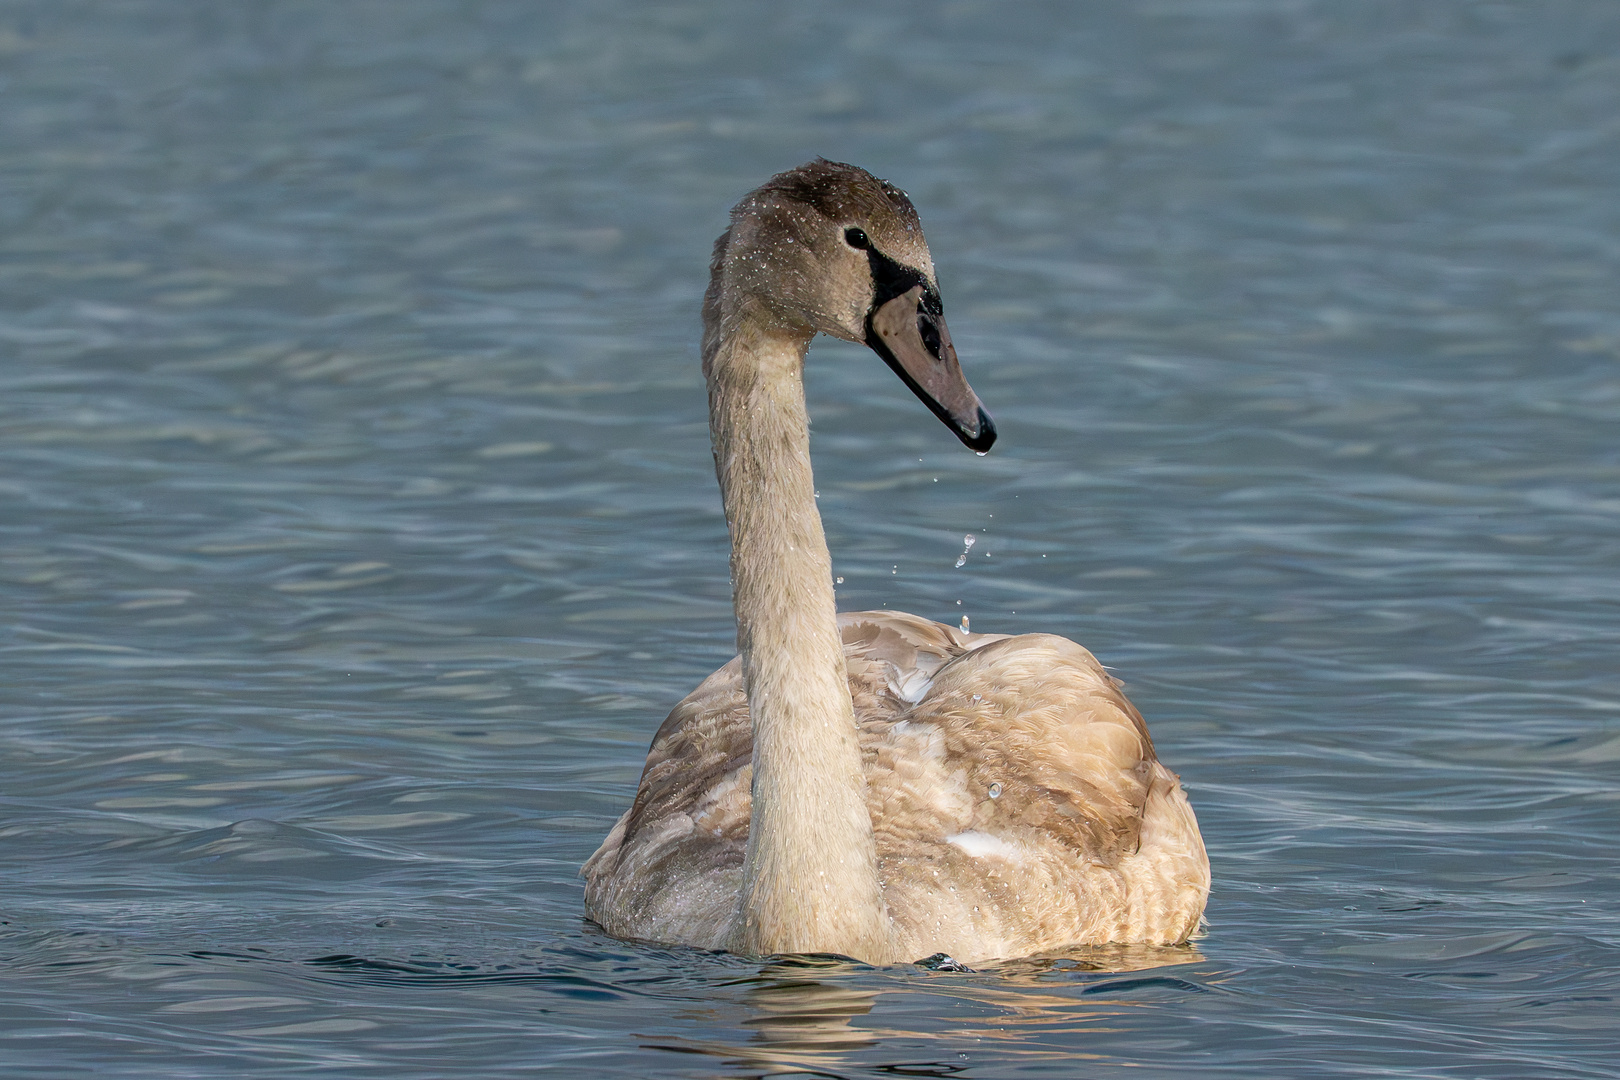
(875, 784)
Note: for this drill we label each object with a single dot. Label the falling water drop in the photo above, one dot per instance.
(965, 624)
(967, 545)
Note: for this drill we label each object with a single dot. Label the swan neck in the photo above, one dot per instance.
(810, 873)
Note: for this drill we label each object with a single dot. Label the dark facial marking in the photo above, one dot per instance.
(890, 279)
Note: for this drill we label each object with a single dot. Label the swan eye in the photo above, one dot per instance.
(857, 238)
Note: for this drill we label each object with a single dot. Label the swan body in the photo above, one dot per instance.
(876, 784)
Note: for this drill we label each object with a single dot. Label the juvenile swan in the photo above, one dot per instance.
(876, 784)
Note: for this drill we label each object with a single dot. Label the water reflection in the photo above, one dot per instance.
(814, 1015)
(797, 1022)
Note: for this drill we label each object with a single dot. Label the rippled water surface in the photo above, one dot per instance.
(357, 521)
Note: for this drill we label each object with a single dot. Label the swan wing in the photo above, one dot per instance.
(671, 869)
(1019, 806)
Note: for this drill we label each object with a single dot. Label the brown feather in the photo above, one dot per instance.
(1056, 857)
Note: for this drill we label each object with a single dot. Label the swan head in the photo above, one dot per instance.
(829, 248)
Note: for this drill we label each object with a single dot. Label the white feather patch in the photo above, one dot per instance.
(983, 845)
(917, 683)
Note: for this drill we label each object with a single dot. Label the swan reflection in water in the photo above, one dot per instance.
(808, 1015)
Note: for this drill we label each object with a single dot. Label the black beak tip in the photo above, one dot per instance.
(982, 439)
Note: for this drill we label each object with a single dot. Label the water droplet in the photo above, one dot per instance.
(967, 545)
(995, 791)
(976, 697)
(965, 630)
(840, 581)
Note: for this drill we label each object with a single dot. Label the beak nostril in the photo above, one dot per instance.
(930, 336)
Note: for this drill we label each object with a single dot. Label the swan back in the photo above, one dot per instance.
(1016, 796)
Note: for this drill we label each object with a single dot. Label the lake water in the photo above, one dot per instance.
(358, 525)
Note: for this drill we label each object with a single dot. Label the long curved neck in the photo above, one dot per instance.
(811, 870)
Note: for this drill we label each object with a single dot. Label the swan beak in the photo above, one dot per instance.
(909, 332)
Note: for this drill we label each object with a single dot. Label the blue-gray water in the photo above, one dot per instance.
(357, 522)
